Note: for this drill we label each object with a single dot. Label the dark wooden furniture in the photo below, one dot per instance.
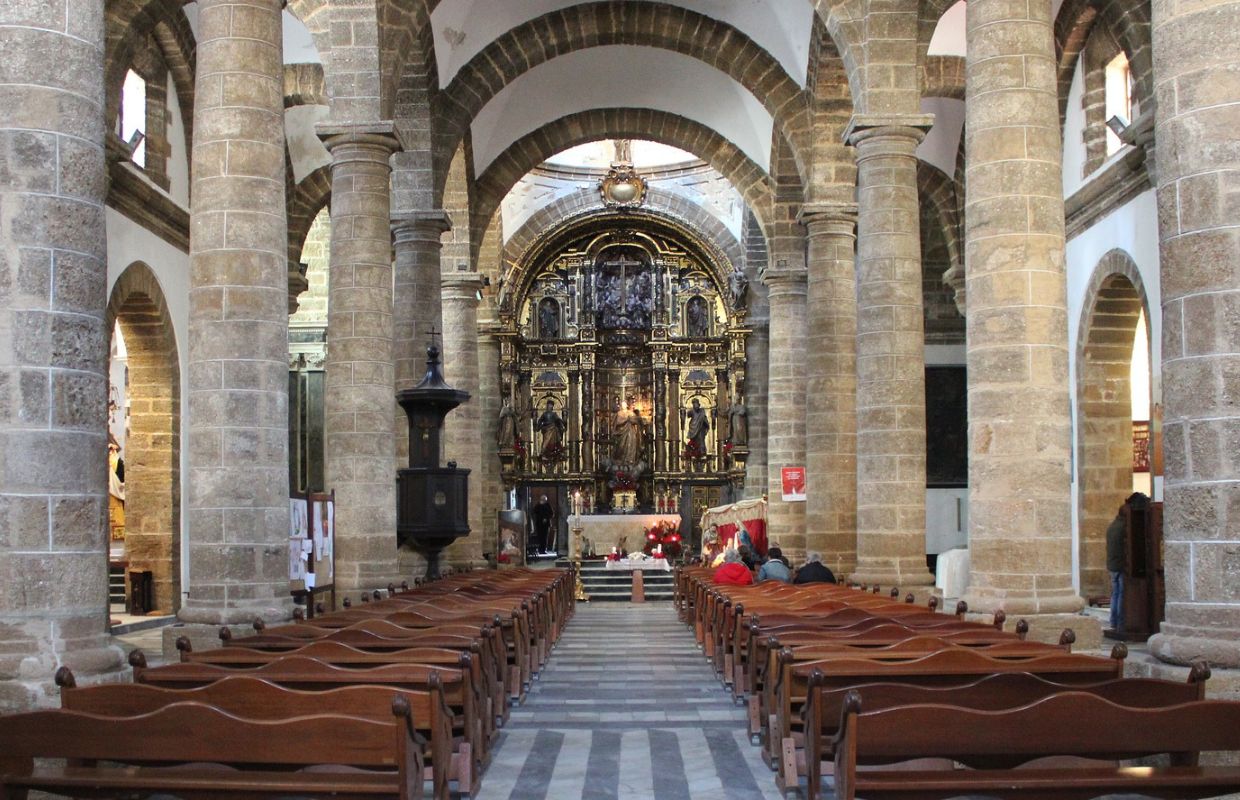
(1144, 584)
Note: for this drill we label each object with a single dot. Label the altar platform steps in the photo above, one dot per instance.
(604, 585)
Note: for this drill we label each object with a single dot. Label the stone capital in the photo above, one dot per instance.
(784, 278)
(887, 135)
(461, 286)
(829, 219)
(374, 141)
(421, 226)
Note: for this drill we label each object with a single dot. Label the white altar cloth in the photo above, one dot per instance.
(606, 530)
(953, 572)
(646, 565)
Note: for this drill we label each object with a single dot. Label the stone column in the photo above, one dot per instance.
(238, 322)
(490, 399)
(831, 387)
(757, 384)
(359, 413)
(1020, 518)
(891, 371)
(462, 428)
(53, 351)
(1196, 52)
(786, 290)
(415, 304)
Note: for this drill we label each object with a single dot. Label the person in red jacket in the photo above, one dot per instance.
(732, 571)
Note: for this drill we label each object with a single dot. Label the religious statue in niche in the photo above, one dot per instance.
(738, 423)
(738, 285)
(551, 426)
(627, 433)
(549, 319)
(624, 296)
(698, 425)
(697, 317)
(506, 430)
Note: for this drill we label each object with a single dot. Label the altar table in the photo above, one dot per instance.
(659, 564)
(606, 530)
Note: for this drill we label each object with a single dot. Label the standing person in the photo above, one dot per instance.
(1117, 533)
(775, 569)
(814, 571)
(543, 515)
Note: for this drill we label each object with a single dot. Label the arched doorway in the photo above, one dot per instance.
(1114, 403)
(147, 426)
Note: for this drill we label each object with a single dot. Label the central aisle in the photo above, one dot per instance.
(627, 708)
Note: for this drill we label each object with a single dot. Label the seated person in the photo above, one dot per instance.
(775, 569)
(748, 558)
(711, 546)
(732, 571)
(814, 571)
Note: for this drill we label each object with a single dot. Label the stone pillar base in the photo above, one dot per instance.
(30, 685)
(887, 576)
(1174, 648)
(201, 637)
(1048, 627)
(1224, 684)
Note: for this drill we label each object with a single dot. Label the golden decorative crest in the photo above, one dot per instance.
(622, 187)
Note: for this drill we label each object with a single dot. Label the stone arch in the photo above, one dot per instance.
(1128, 22)
(153, 446)
(621, 123)
(304, 202)
(943, 76)
(1114, 301)
(130, 26)
(616, 22)
(941, 253)
(586, 202)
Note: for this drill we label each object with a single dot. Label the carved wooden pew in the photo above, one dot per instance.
(825, 707)
(308, 674)
(1068, 727)
(254, 699)
(784, 751)
(109, 756)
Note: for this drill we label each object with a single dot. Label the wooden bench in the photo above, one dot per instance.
(254, 699)
(825, 707)
(308, 674)
(193, 750)
(1067, 727)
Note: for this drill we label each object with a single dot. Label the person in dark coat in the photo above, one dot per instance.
(542, 514)
(814, 571)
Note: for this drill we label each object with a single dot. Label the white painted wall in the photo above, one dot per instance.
(306, 150)
(942, 143)
(1074, 136)
(622, 76)
(299, 46)
(129, 242)
(463, 28)
(949, 38)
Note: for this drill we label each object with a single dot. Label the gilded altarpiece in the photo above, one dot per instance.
(623, 368)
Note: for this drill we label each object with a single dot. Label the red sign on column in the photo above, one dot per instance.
(794, 483)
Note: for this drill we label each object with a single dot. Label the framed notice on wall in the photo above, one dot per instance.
(793, 479)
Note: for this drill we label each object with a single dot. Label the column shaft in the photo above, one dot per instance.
(416, 304)
(1020, 527)
(360, 414)
(831, 388)
(463, 427)
(786, 291)
(1196, 53)
(53, 351)
(238, 320)
(490, 399)
(891, 376)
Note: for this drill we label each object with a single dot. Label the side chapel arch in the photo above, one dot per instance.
(1114, 303)
(153, 444)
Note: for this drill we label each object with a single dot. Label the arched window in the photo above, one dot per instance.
(132, 122)
(1119, 97)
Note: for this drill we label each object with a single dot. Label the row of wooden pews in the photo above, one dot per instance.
(892, 700)
(407, 687)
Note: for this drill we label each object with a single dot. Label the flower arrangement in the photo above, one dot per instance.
(622, 481)
(553, 453)
(518, 446)
(727, 446)
(692, 451)
(663, 538)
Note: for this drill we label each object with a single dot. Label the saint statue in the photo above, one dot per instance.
(506, 431)
(697, 321)
(626, 433)
(738, 423)
(738, 284)
(699, 424)
(548, 319)
(551, 426)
